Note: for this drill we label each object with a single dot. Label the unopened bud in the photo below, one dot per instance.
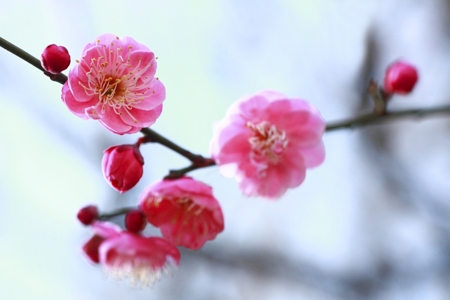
(122, 166)
(55, 59)
(135, 221)
(400, 78)
(88, 214)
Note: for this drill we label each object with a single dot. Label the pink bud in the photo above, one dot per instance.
(400, 78)
(122, 166)
(88, 214)
(135, 221)
(55, 59)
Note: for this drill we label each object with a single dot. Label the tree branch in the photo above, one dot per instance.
(198, 161)
(61, 78)
(370, 119)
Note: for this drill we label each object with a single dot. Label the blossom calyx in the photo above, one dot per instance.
(55, 59)
(123, 166)
(400, 78)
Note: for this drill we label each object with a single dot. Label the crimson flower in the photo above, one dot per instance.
(184, 209)
(267, 141)
(114, 82)
(122, 166)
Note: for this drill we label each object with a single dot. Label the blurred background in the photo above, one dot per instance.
(373, 222)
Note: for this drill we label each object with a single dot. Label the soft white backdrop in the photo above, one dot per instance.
(339, 222)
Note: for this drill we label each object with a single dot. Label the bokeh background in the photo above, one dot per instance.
(373, 222)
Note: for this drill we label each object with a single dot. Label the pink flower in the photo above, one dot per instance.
(400, 78)
(114, 83)
(122, 166)
(140, 259)
(55, 59)
(267, 141)
(184, 209)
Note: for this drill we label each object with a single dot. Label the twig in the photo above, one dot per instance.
(115, 213)
(369, 119)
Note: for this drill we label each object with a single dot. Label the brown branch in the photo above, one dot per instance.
(370, 119)
(197, 161)
(61, 78)
(115, 213)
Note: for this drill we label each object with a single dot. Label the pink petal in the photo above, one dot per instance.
(76, 107)
(157, 94)
(113, 122)
(141, 118)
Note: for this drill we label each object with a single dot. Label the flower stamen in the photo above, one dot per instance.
(267, 143)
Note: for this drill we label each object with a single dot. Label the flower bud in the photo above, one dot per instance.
(88, 214)
(400, 78)
(122, 166)
(135, 221)
(55, 59)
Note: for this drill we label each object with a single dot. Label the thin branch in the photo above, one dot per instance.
(154, 137)
(370, 119)
(198, 161)
(115, 213)
(61, 78)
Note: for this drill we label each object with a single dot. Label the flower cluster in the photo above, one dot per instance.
(184, 209)
(266, 141)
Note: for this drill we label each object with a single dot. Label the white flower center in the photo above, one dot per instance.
(268, 143)
(110, 77)
(138, 272)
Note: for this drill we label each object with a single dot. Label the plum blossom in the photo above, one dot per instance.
(141, 260)
(184, 209)
(125, 255)
(114, 82)
(267, 141)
